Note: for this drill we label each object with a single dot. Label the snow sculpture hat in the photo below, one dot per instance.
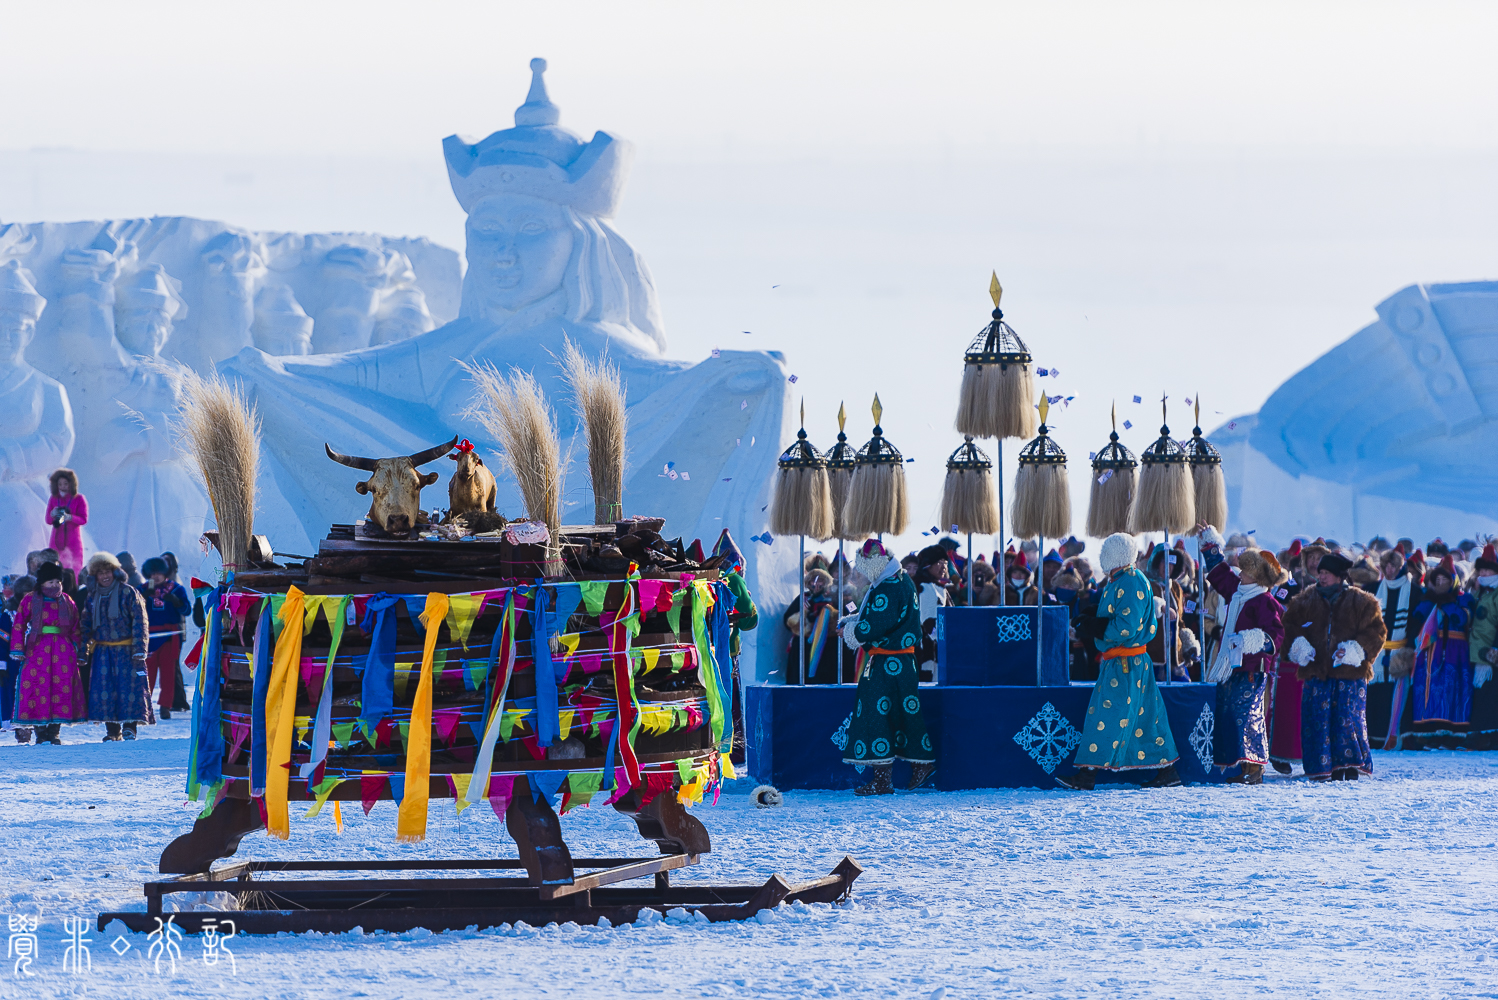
(278, 311)
(540, 159)
(17, 293)
(151, 288)
(1118, 551)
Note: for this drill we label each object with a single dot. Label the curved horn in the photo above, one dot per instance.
(353, 462)
(432, 454)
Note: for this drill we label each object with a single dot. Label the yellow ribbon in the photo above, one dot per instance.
(461, 783)
(280, 714)
(652, 658)
(462, 609)
(411, 822)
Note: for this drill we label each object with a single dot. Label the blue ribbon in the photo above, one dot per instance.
(377, 694)
(208, 734)
(718, 633)
(494, 650)
(546, 783)
(547, 724)
(416, 605)
(398, 787)
(264, 655)
(608, 755)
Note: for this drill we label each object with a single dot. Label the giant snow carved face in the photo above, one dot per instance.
(518, 248)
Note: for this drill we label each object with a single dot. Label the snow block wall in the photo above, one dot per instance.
(1391, 432)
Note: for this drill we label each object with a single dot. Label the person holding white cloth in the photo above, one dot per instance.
(1252, 634)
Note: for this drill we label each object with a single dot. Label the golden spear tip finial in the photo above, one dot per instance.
(1114, 413)
(1045, 407)
(1198, 409)
(842, 416)
(995, 290)
(878, 409)
(803, 412)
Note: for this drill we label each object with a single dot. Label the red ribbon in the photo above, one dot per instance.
(464, 446)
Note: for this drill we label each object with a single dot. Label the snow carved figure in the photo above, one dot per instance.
(544, 265)
(36, 421)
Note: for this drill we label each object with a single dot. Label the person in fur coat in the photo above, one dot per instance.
(1334, 631)
(1253, 633)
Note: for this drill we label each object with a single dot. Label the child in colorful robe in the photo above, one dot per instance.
(1126, 728)
(167, 606)
(1252, 614)
(1442, 685)
(44, 644)
(114, 621)
(887, 721)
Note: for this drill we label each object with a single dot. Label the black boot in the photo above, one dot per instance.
(919, 775)
(1282, 766)
(879, 784)
(111, 732)
(129, 730)
(23, 734)
(1166, 777)
(1082, 781)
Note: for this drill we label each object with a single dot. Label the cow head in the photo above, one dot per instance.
(394, 484)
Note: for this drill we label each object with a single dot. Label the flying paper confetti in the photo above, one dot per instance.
(910, 460)
(744, 404)
(1107, 475)
(1138, 400)
(751, 442)
(1042, 372)
(686, 477)
(717, 353)
(793, 379)
(1128, 424)
(729, 479)
(1190, 605)
(850, 606)
(1055, 373)
(954, 529)
(762, 538)
(1188, 400)
(1091, 455)
(1233, 425)
(672, 475)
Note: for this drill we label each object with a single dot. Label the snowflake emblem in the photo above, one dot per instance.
(1201, 737)
(840, 738)
(1048, 738)
(1013, 628)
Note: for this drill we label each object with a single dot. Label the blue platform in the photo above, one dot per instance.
(999, 736)
(991, 646)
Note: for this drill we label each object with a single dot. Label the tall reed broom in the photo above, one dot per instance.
(802, 503)
(1115, 474)
(1166, 499)
(1042, 496)
(997, 381)
(841, 460)
(599, 399)
(513, 409)
(877, 500)
(968, 502)
(1209, 484)
(219, 428)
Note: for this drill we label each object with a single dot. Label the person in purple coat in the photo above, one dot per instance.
(1253, 632)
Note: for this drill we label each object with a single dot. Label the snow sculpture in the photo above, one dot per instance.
(281, 325)
(544, 264)
(36, 422)
(1387, 433)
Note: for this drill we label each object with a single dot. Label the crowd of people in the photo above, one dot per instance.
(1292, 637)
(89, 641)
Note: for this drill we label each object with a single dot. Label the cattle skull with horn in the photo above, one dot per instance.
(395, 486)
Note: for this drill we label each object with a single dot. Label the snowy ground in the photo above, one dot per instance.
(1379, 888)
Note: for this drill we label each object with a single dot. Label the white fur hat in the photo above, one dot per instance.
(1118, 550)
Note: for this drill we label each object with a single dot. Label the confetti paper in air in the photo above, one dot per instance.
(717, 353)
(1042, 372)
(1138, 400)
(744, 404)
(1188, 400)
(793, 378)
(762, 538)
(672, 475)
(851, 607)
(954, 529)
(686, 477)
(1128, 424)
(908, 460)
(1233, 425)
(1107, 475)
(1252, 531)
(728, 480)
(1190, 605)
(1055, 373)
(751, 442)
(1091, 455)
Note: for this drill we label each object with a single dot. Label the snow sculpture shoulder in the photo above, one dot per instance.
(36, 422)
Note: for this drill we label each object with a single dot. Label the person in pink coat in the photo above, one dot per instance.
(67, 512)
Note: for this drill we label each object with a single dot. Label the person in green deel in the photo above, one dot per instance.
(743, 617)
(1125, 728)
(887, 721)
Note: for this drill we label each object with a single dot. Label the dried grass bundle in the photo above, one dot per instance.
(1166, 500)
(598, 396)
(802, 504)
(839, 486)
(969, 501)
(1042, 501)
(513, 410)
(877, 500)
(218, 426)
(997, 401)
(1211, 489)
(1108, 505)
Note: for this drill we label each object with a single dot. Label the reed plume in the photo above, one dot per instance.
(598, 396)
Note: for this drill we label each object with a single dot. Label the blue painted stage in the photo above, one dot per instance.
(987, 735)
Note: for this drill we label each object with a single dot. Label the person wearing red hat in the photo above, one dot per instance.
(1441, 685)
(1333, 632)
(1020, 588)
(1482, 638)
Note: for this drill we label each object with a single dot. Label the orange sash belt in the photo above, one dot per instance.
(1118, 651)
(891, 652)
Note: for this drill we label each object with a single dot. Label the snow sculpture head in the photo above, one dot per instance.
(537, 199)
(281, 326)
(146, 304)
(232, 264)
(20, 308)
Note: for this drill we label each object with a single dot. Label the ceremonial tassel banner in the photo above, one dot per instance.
(208, 736)
(411, 823)
(280, 713)
(377, 694)
(462, 609)
(260, 670)
(546, 680)
(719, 632)
(702, 601)
(624, 685)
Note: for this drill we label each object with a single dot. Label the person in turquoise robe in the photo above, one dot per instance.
(887, 723)
(1126, 728)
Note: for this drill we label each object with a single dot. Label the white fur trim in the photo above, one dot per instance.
(845, 629)
(1254, 640)
(1119, 549)
(1159, 606)
(1481, 674)
(1212, 536)
(1349, 654)
(1301, 652)
(767, 797)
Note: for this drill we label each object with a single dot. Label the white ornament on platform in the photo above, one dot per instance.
(1049, 738)
(1201, 737)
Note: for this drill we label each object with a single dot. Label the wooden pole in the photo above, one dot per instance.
(801, 623)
